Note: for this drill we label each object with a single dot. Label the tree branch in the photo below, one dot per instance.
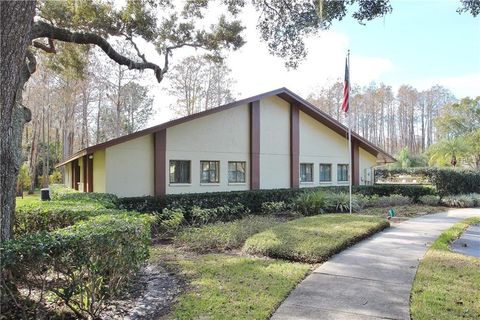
(42, 29)
(50, 48)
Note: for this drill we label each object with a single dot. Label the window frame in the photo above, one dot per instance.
(347, 173)
(189, 172)
(320, 172)
(312, 174)
(236, 172)
(217, 173)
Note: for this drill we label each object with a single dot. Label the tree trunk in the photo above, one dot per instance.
(16, 18)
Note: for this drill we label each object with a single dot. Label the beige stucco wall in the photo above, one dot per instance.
(274, 143)
(320, 144)
(129, 167)
(367, 161)
(222, 136)
(99, 171)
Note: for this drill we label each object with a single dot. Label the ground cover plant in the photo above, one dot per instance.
(408, 211)
(230, 287)
(447, 284)
(223, 236)
(313, 239)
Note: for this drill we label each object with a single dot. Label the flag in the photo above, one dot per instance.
(346, 88)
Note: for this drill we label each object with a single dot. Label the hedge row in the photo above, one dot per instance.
(446, 181)
(52, 215)
(253, 199)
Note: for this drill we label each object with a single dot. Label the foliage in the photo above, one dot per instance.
(447, 284)
(459, 126)
(169, 222)
(51, 215)
(274, 207)
(253, 199)
(445, 181)
(60, 192)
(408, 211)
(230, 287)
(313, 239)
(23, 181)
(200, 83)
(311, 203)
(223, 236)
(387, 201)
(55, 177)
(340, 202)
(430, 200)
(461, 200)
(200, 216)
(406, 160)
(81, 265)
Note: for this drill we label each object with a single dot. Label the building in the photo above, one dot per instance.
(272, 140)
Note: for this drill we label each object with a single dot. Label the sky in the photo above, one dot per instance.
(421, 43)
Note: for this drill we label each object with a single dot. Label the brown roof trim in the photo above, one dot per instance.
(283, 93)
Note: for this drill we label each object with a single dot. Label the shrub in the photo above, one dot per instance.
(394, 200)
(169, 222)
(61, 193)
(340, 202)
(223, 236)
(430, 200)
(460, 201)
(476, 199)
(311, 203)
(274, 207)
(51, 215)
(199, 216)
(447, 181)
(253, 199)
(81, 265)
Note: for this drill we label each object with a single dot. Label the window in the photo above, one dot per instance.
(306, 172)
(179, 171)
(210, 171)
(342, 172)
(236, 171)
(325, 172)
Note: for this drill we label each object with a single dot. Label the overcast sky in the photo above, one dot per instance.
(421, 43)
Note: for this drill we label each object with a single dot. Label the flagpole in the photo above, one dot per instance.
(349, 136)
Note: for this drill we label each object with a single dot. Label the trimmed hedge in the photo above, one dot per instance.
(446, 181)
(82, 265)
(61, 193)
(253, 199)
(52, 215)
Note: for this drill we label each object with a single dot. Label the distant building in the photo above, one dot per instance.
(272, 140)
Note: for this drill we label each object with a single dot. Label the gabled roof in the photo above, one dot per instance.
(283, 93)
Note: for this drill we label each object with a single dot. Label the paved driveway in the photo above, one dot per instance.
(373, 279)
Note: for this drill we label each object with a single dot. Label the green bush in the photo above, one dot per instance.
(388, 201)
(82, 265)
(430, 200)
(253, 199)
(51, 215)
(199, 216)
(460, 201)
(223, 236)
(169, 222)
(274, 207)
(61, 193)
(311, 203)
(447, 181)
(340, 202)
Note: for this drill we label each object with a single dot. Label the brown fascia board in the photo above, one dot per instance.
(283, 93)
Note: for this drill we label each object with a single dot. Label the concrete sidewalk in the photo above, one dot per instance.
(373, 279)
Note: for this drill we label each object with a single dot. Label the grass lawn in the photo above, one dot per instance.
(447, 284)
(28, 198)
(223, 235)
(313, 239)
(406, 211)
(230, 287)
